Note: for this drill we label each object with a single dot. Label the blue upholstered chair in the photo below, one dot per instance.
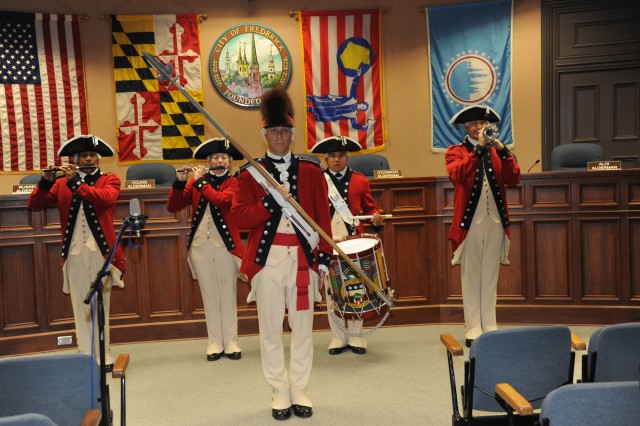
(575, 156)
(593, 404)
(163, 173)
(532, 360)
(367, 163)
(29, 179)
(30, 419)
(613, 354)
(62, 389)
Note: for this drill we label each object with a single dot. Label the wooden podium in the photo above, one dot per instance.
(574, 260)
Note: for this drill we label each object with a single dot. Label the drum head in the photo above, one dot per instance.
(356, 245)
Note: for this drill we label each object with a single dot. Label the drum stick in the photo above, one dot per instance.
(370, 216)
(165, 75)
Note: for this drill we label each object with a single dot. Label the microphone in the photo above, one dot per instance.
(537, 161)
(136, 216)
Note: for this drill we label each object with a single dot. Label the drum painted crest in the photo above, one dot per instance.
(350, 295)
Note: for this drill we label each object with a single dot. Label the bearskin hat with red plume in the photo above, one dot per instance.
(276, 108)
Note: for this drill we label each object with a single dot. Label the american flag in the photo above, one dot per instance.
(343, 76)
(42, 100)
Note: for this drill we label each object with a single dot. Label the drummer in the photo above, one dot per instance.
(351, 196)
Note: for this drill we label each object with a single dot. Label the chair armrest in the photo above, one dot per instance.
(120, 367)
(92, 417)
(451, 344)
(577, 343)
(516, 401)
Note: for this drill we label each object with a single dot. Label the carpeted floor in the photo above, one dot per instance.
(402, 380)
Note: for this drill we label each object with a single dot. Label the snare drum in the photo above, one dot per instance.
(350, 295)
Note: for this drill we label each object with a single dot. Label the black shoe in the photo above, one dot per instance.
(302, 410)
(280, 413)
(108, 368)
(468, 342)
(214, 357)
(358, 350)
(234, 355)
(335, 351)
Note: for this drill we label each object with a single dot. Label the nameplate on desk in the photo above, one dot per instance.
(24, 188)
(139, 184)
(381, 174)
(604, 165)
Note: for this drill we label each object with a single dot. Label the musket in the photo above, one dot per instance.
(165, 76)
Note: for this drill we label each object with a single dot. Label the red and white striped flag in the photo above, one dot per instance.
(42, 101)
(343, 76)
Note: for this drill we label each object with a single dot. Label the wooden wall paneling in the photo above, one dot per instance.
(379, 198)
(601, 194)
(156, 208)
(550, 195)
(512, 279)
(163, 275)
(50, 218)
(634, 259)
(128, 302)
(446, 205)
(626, 111)
(16, 218)
(600, 267)
(515, 197)
(591, 61)
(552, 259)
(406, 259)
(408, 200)
(633, 194)
(452, 288)
(582, 124)
(59, 307)
(19, 309)
(594, 33)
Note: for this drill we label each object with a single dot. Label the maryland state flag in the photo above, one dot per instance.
(156, 122)
(342, 52)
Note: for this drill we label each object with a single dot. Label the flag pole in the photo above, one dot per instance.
(165, 75)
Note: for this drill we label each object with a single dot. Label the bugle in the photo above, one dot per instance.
(491, 133)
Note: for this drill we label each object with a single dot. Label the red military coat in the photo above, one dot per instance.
(182, 194)
(103, 194)
(256, 210)
(463, 163)
(358, 193)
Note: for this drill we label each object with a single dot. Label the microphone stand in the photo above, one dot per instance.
(96, 288)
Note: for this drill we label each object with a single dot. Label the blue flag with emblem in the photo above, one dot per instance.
(470, 59)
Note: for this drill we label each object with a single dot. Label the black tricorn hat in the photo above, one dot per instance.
(335, 144)
(84, 143)
(276, 109)
(216, 146)
(474, 113)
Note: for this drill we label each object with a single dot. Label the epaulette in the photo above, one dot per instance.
(247, 164)
(308, 160)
